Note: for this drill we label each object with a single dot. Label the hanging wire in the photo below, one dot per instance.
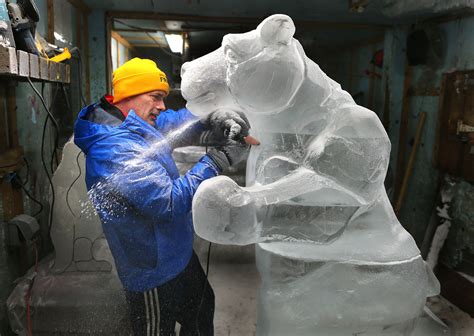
(73, 182)
(77, 51)
(22, 186)
(55, 123)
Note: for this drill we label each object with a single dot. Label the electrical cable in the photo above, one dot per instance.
(54, 156)
(68, 104)
(75, 180)
(42, 151)
(150, 36)
(77, 51)
(203, 288)
(28, 312)
(27, 297)
(17, 179)
(53, 153)
(27, 170)
(56, 125)
(50, 115)
(22, 186)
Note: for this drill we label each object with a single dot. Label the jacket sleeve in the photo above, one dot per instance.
(172, 121)
(146, 185)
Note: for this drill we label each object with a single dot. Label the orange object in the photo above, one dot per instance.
(250, 140)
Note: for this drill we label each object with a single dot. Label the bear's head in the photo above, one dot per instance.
(255, 72)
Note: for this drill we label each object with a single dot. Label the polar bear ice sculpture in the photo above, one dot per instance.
(333, 258)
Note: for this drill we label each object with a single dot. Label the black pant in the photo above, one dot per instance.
(187, 299)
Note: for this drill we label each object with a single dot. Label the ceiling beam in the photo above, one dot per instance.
(142, 38)
(120, 39)
(451, 16)
(148, 45)
(182, 30)
(239, 20)
(131, 30)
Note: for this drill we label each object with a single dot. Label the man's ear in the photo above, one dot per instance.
(276, 29)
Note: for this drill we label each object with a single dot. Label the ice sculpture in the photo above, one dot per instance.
(333, 258)
(76, 231)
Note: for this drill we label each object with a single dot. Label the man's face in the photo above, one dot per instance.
(148, 105)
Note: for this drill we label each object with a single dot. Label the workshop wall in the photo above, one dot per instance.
(352, 67)
(97, 57)
(349, 66)
(421, 195)
(30, 122)
(163, 60)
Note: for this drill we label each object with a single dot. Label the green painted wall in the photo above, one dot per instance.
(458, 35)
(97, 57)
(422, 190)
(31, 116)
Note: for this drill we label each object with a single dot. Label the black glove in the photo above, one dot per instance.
(229, 155)
(223, 125)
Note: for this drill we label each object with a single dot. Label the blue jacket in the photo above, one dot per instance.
(134, 184)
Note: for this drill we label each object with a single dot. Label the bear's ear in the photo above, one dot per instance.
(276, 29)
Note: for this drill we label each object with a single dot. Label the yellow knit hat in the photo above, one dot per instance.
(138, 76)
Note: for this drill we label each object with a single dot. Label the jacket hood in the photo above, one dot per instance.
(94, 123)
(88, 132)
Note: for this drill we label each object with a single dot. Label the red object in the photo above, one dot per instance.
(110, 100)
(28, 295)
(377, 58)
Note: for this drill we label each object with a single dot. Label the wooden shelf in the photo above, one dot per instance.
(19, 64)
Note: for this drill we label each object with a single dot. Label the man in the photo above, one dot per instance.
(143, 203)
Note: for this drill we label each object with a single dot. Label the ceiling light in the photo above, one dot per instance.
(175, 42)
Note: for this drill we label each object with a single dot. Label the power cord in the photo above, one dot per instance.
(55, 123)
(204, 287)
(54, 156)
(18, 181)
(77, 52)
(27, 170)
(208, 262)
(73, 182)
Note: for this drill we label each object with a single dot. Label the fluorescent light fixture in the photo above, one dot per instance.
(175, 42)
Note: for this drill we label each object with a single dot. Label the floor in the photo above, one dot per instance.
(460, 323)
(235, 280)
